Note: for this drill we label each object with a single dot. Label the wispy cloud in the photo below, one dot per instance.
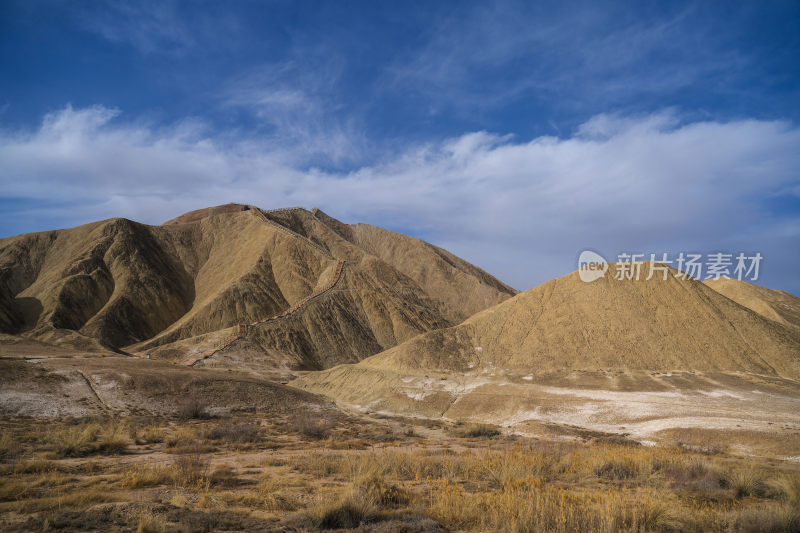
(522, 209)
(149, 26)
(298, 103)
(575, 57)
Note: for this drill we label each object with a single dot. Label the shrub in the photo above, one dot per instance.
(480, 431)
(88, 439)
(35, 466)
(352, 509)
(783, 519)
(384, 494)
(223, 476)
(150, 523)
(149, 435)
(112, 440)
(696, 475)
(9, 448)
(270, 496)
(185, 440)
(618, 469)
(190, 472)
(312, 428)
(138, 476)
(236, 432)
(785, 488)
(193, 408)
(74, 441)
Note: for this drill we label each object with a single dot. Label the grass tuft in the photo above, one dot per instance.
(745, 482)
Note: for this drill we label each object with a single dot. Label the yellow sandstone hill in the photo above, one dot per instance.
(608, 334)
(181, 289)
(775, 305)
(656, 325)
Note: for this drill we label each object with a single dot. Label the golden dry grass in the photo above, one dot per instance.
(494, 485)
(88, 438)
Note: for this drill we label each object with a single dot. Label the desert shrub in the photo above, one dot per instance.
(695, 475)
(240, 432)
(769, 519)
(374, 485)
(785, 487)
(146, 475)
(9, 448)
(87, 439)
(181, 437)
(352, 509)
(185, 440)
(150, 523)
(190, 471)
(649, 514)
(193, 407)
(270, 495)
(618, 469)
(479, 431)
(35, 466)
(112, 439)
(74, 441)
(223, 476)
(313, 428)
(149, 435)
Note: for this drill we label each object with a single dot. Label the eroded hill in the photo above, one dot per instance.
(180, 289)
(625, 356)
(779, 306)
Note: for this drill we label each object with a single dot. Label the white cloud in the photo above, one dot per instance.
(523, 210)
(296, 103)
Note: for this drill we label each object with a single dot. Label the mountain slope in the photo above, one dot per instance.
(656, 325)
(461, 288)
(567, 326)
(180, 288)
(775, 305)
(630, 357)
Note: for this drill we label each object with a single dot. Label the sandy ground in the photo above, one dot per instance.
(648, 407)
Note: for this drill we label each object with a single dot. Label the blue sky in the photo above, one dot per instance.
(514, 134)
